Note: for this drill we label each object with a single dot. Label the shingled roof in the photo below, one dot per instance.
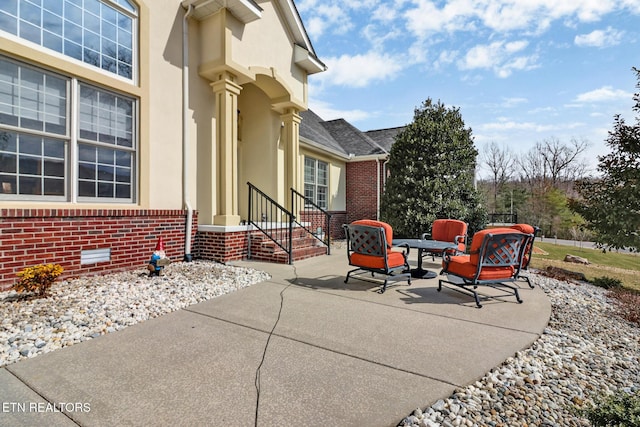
(385, 137)
(339, 135)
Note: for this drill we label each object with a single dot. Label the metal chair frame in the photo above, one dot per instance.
(497, 250)
(372, 241)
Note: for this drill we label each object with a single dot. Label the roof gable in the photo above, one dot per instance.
(247, 11)
(337, 136)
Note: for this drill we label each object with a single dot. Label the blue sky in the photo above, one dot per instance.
(521, 71)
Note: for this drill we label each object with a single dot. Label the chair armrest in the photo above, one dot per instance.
(446, 258)
(426, 236)
(404, 245)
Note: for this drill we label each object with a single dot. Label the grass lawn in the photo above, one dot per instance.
(622, 266)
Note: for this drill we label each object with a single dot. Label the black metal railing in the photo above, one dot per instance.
(503, 218)
(307, 212)
(272, 219)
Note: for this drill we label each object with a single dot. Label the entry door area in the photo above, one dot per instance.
(259, 150)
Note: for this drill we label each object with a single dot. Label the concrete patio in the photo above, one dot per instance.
(300, 349)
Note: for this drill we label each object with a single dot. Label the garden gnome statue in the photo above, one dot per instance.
(158, 259)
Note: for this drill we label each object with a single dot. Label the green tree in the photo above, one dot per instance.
(611, 203)
(432, 166)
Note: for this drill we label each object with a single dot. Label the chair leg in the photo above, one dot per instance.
(475, 295)
(383, 288)
(526, 279)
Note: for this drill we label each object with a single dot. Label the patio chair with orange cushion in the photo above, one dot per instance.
(369, 248)
(495, 259)
(447, 230)
(528, 251)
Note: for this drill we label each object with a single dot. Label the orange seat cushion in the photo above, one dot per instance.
(524, 228)
(388, 231)
(462, 266)
(446, 230)
(394, 259)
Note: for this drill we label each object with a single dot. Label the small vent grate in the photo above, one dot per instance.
(94, 256)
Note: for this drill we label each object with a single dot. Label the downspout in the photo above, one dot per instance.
(378, 189)
(384, 178)
(188, 257)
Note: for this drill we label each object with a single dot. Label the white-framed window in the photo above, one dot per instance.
(316, 181)
(101, 33)
(43, 157)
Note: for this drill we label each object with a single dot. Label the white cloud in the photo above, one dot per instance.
(498, 56)
(504, 124)
(323, 17)
(512, 102)
(600, 38)
(604, 94)
(360, 70)
(327, 112)
(428, 16)
(384, 13)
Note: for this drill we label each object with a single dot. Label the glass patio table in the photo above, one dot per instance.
(425, 246)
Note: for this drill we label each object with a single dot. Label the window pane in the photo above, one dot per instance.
(54, 148)
(105, 168)
(87, 189)
(28, 161)
(105, 189)
(54, 168)
(87, 171)
(53, 6)
(322, 197)
(106, 117)
(52, 41)
(309, 191)
(29, 186)
(30, 13)
(123, 191)
(62, 25)
(30, 145)
(10, 7)
(8, 23)
(8, 184)
(8, 163)
(309, 170)
(127, 5)
(322, 173)
(53, 187)
(32, 99)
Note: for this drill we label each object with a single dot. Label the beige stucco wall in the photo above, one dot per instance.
(164, 106)
(266, 43)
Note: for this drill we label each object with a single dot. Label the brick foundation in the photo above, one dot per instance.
(39, 236)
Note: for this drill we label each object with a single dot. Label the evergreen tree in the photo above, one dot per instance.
(432, 167)
(611, 203)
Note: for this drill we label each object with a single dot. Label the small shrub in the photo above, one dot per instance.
(38, 279)
(619, 410)
(607, 282)
(627, 304)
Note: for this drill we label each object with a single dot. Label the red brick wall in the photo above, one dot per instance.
(37, 236)
(362, 195)
(222, 246)
(317, 219)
